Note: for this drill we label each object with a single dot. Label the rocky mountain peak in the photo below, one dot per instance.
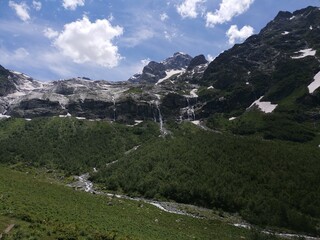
(196, 61)
(6, 85)
(155, 71)
(179, 60)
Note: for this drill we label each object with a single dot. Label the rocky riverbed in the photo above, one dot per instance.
(83, 183)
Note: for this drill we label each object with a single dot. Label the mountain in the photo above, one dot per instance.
(272, 76)
(239, 134)
(155, 71)
(80, 97)
(276, 63)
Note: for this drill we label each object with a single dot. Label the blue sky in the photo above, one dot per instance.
(113, 39)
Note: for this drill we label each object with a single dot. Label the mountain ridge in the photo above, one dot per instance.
(272, 72)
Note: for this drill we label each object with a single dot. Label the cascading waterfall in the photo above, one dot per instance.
(190, 111)
(163, 131)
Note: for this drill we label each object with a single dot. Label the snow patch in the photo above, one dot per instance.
(304, 53)
(169, 74)
(137, 122)
(193, 93)
(4, 116)
(311, 28)
(315, 84)
(211, 87)
(65, 116)
(158, 96)
(266, 107)
(196, 122)
(285, 33)
(232, 118)
(293, 17)
(239, 225)
(81, 118)
(15, 72)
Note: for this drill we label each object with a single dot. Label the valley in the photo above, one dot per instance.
(186, 149)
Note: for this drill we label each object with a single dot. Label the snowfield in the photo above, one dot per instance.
(266, 107)
(305, 53)
(170, 73)
(315, 84)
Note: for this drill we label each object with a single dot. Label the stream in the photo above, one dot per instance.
(84, 184)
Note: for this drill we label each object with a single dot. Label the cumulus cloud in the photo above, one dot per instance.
(50, 33)
(37, 5)
(164, 17)
(84, 41)
(235, 34)
(21, 10)
(228, 9)
(190, 8)
(72, 4)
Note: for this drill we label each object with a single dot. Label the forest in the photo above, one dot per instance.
(268, 182)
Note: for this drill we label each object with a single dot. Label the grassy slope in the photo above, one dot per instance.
(44, 210)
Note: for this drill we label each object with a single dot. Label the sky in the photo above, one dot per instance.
(113, 39)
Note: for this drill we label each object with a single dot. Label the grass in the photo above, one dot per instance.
(43, 209)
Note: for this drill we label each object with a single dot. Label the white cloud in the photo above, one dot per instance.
(139, 67)
(21, 10)
(164, 17)
(84, 41)
(110, 17)
(20, 53)
(169, 35)
(139, 36)
(37, 5)
(50, 33)
(189, 8)
(235, 34)
(210, 58)
(13, 57)
(145, 62)
(72, 4)
(228, 9)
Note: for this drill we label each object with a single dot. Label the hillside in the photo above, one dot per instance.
(43, 209)
(191, 165)
(239, 135)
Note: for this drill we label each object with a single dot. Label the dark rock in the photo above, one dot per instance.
(177, 61)
(35, 108)
(6, 83)
(196, 61)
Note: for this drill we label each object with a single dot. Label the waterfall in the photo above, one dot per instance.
(114, 108)
(190, 111)
(163, 131)
(160, 116)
